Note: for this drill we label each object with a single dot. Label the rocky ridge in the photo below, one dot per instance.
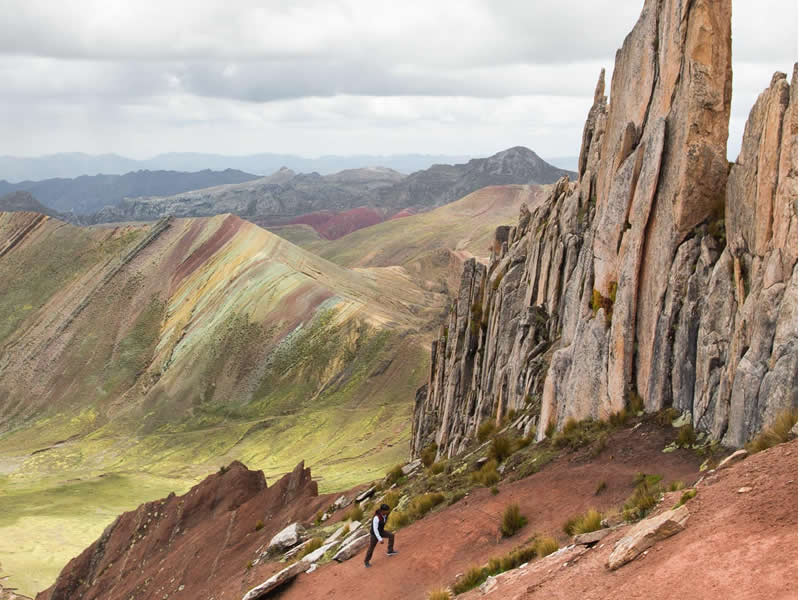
(280, 198)
(663, 273)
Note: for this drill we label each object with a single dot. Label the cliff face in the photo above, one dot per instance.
(661, 272)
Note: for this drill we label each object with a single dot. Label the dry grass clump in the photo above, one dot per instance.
(545, 546)
(428, 454)
(686, 436)
(394, 475)
(259, 525)
(577, 434)
(390, 498)
(356, 513)
(645, 496)
(676, 485)
(666, 416)
(314, 544)
(487, 475)
(777, 433)
(440, 594)
(417, 508)
(470, 580)
(500, 564)
(438, 467)
(486, 429)
(512, 520)
(601, 487)
(589, 521)
(500, 448)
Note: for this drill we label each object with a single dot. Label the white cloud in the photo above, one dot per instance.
(321, 76)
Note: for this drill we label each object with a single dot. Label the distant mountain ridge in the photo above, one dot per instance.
(87, 194)
(75, 164)
(285, 196)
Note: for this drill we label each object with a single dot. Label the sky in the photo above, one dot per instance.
(316, 77)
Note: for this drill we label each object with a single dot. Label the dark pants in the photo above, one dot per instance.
(373, 541)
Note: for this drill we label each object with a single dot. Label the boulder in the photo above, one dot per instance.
(349, 550)
(287, 537)
(592, 537)
(354, 533)
(341, 502)
(646, 533)
(735, 457)
(365, 494)
(317, 554)
(276, 580)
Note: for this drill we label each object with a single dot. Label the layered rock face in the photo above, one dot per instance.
(661, 272)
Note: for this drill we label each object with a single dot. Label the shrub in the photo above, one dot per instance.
(588, 521)
(438, 467)
(545, 546)
(601, 487)
(259, 525)
(318, 518)
(428, 454)
(440, 594)
(485, 429)
(394, 475)
(470, 580)
(356, 513)
(512, 521)
(487, 475)
(686, 436)
(500, 448)
(314, 544)
(778, 432)
(456, 497)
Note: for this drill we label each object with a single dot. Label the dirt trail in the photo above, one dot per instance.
(435, 550)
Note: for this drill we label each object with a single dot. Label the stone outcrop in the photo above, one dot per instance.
(195, 544)
(287, 537)
(646, 533)
(660, 273)
(350, 548)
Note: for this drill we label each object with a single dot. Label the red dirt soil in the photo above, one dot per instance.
(433, 551)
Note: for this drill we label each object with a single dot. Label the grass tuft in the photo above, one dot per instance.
(470, 580)
(438, 467)
(512, 520)
(487, 475)
(685, 497)
(428, 454)
(486, 429)
(394, 475)
(259, 525)
(440, 594)
(676, 485)
(601, 487)
(686, 436)
(589, 521)
(314, 544)
(777, 433)
(356, 513)
(545, 546)
(500, 448)
(645, 496)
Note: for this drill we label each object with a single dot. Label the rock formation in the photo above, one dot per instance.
(195, 543)
(663, 272)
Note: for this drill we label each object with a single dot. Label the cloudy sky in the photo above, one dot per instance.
(317, 77)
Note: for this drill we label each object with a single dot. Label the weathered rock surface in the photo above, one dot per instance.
(350, 549)
(733, 458)
(276, 580)
(656, 274)
(287, 537)
(646, 533)
(590, 538)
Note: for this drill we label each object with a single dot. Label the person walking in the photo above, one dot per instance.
(377, 532)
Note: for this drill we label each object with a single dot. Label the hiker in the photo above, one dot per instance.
(377, 533)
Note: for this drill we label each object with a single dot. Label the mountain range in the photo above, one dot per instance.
(379, 193)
